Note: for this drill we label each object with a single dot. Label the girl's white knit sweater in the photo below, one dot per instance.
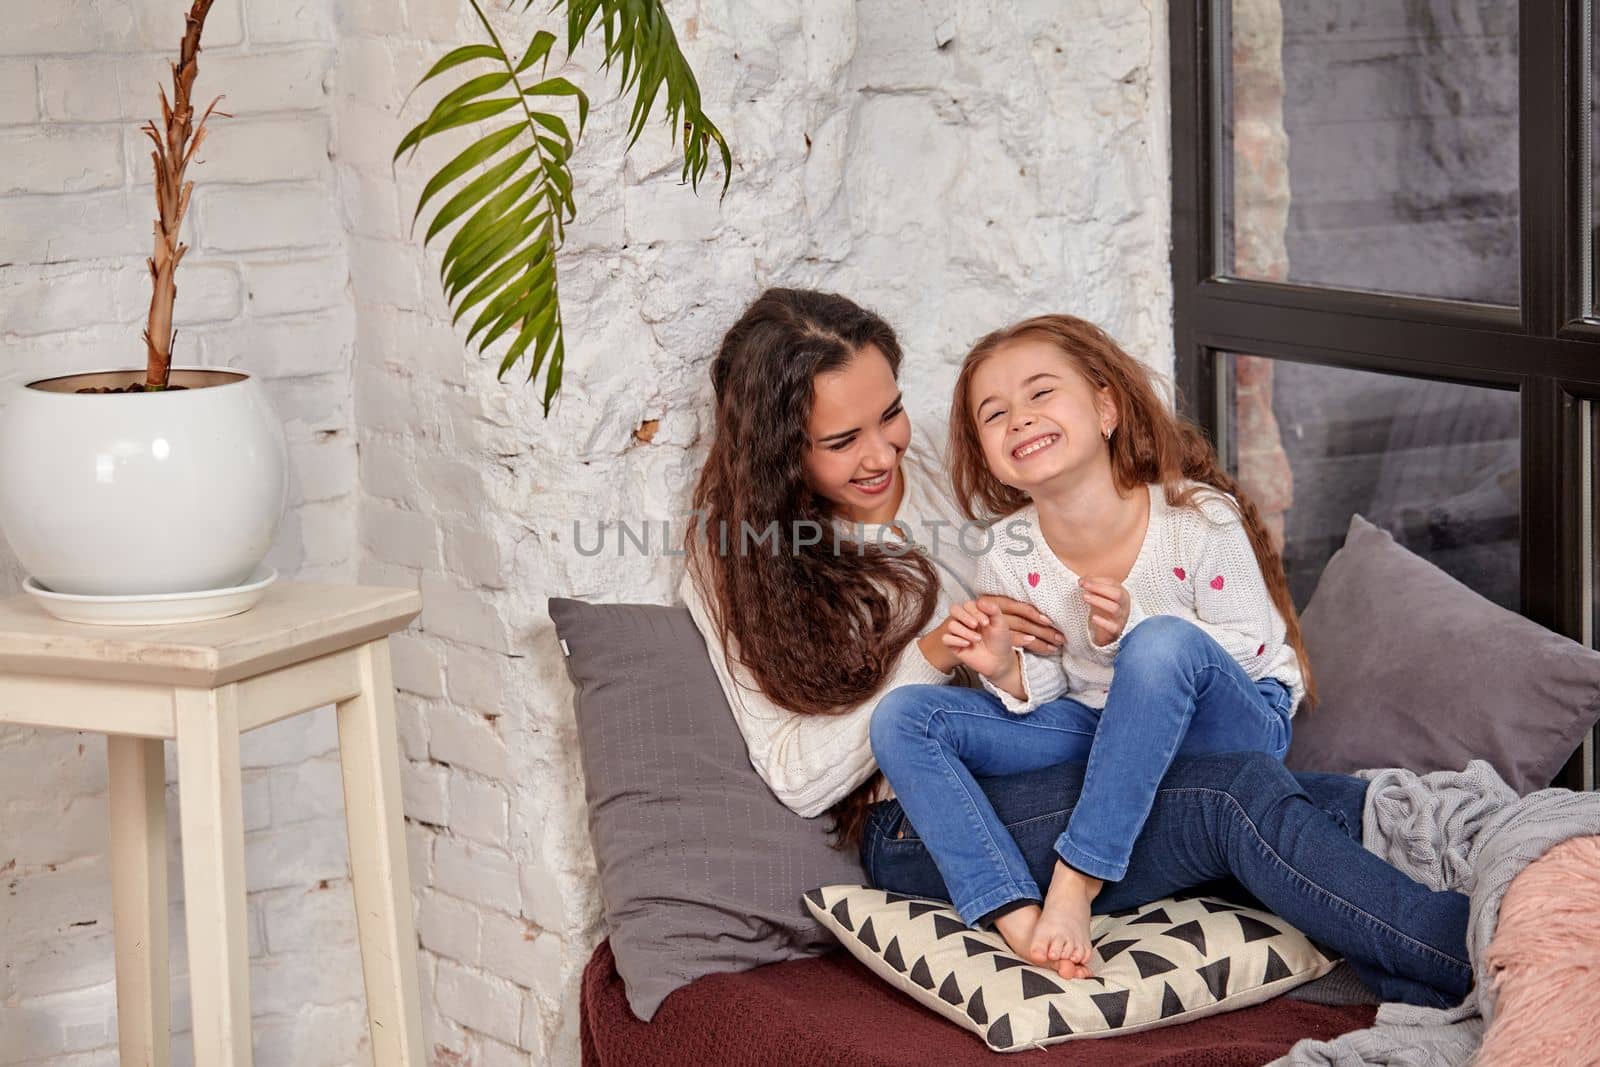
(1195, 563)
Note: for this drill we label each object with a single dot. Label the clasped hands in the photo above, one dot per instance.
(982, 633)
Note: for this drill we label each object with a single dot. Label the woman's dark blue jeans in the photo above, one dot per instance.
(1238, 824)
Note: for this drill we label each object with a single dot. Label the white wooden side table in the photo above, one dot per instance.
(201, 685)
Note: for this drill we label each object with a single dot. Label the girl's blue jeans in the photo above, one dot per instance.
(1176, 691)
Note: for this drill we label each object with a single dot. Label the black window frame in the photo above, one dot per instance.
(1548, 349)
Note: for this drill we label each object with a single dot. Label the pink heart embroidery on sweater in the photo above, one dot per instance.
(1033, 578)
(1216, 583)
(1179, 573)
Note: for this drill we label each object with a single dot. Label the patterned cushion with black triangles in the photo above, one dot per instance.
(1171, 961)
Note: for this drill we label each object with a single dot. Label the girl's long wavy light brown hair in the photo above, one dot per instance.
(819, 630)
(1151, 444)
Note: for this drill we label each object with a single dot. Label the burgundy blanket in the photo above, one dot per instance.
(832, 1012)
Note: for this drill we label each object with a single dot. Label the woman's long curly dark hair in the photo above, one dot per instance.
(818, 629)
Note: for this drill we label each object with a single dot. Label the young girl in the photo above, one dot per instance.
(1180, 637)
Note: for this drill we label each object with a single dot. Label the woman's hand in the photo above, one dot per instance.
(1109, 603)
(1030, 628)
(940, 656)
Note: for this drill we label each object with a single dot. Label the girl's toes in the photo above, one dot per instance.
(1072, 971)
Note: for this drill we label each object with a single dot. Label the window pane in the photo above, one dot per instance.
(1438, 465)
(1373, 145)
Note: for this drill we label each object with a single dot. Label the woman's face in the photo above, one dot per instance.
(857, 431)
(1037, 416)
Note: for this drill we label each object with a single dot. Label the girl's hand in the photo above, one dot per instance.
(980, 636)
(1109, 603)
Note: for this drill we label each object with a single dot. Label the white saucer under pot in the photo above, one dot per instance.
(154, 609)
(134, 494)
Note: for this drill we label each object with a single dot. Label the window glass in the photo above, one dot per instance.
(1372, 145)
(1436, 464)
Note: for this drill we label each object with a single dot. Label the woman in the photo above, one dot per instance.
(813, 606)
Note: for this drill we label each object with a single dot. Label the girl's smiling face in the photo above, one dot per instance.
(858, 429)
(1037, 417)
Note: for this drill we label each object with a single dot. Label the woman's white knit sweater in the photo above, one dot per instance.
(1195, 563)
(813, 761)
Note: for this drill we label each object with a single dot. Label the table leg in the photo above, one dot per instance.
(212, 820)
(369, 756)
(137, 799)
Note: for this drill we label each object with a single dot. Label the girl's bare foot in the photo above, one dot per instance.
(1016, 927)
(1061, 934)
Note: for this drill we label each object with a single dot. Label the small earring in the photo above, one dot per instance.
(1108, 434)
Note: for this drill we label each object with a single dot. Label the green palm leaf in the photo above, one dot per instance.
(476, 153)
(460, 56)
(476, 190)
(639, 39)
(469, 237)
(501, 259)
(510, 192)
(485, 251)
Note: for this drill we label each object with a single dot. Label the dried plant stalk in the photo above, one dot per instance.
(176, 140)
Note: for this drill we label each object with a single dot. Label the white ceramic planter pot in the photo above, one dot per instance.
(134, 493)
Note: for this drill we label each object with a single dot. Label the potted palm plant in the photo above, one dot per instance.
(167, 483)
(158, 481)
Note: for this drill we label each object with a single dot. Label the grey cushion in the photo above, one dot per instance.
(1416, 670)
(702, 869)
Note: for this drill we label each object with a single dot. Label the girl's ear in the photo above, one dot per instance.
(1106, 404)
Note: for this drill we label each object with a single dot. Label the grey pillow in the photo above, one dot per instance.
(702, 869)
(1416, 670)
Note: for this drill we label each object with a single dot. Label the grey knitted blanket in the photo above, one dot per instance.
(1461, 830)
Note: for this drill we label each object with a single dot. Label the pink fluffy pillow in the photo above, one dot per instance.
(1544, 963)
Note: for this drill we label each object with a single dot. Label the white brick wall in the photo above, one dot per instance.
(1014, 154)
